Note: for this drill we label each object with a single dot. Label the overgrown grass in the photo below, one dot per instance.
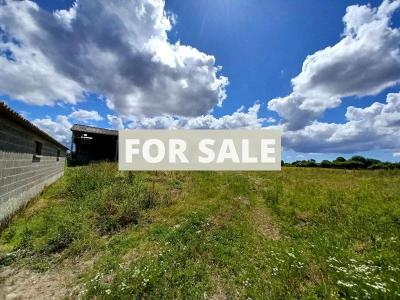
(299, 233)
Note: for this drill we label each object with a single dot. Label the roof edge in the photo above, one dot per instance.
(95, 130)
(16, 117)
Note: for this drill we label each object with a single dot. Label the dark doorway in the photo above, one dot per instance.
(93, 144)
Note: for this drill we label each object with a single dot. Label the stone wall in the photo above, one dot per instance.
(23, 174)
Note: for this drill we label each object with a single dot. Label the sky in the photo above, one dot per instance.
(326, 72)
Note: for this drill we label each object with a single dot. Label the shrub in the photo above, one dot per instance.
(119, 205)
(326, 164)
(85, 180)
(65, 235)
(359, 159)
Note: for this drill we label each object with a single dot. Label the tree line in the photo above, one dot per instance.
(355, 162)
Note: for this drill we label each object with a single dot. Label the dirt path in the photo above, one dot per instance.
(265, 225)
(58, 283)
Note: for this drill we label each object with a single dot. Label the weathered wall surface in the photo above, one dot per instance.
(22, 175)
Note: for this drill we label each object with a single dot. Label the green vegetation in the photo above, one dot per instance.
(300, 233)
(355, 162)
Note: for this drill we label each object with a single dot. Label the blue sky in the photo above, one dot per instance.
(261, 46)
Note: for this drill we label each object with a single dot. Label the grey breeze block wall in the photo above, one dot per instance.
(22, 176)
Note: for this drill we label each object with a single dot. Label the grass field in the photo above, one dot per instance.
(299, 233)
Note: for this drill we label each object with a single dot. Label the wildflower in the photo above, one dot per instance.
(366, 292)
(378, 286)
(122, 286)
(246, 282)
(330, 258)
(346, 284)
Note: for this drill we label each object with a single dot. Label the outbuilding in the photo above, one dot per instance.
(30, 159)
(93, 144)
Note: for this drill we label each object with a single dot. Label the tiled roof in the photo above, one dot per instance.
(7, 112)
(96, 130)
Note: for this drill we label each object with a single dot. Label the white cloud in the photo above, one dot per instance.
(115, 122)
(364, 62)
(60, 128)
(239, 119)
(85, 115)
(373, 127)
(24, 114)
(396, 154)
(297, 111)
(118, 49)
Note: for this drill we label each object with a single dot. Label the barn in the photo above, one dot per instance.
(93, 144)
(30, 159)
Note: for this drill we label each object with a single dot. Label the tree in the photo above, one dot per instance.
(356, 162)
(311, 163)
(353, 164)
(340, 159)
(326, 164)
(360, 159)
(370, 162)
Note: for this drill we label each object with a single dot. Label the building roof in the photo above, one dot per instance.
(96, 130)
(10, 114)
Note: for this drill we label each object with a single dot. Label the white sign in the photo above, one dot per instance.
(200, 149)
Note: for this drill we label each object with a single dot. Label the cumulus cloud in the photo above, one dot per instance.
(270, 120)
(60, 128)
(239, 119)
(85, 115)
(118, 49)
(296, 111)
(396, 154)
(374, 127)
(115, 122)
(364, 62)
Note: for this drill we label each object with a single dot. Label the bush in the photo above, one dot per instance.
(89, 201)
(85, 180)
(356, 162)
(360, 159)
(305, 163)
(65, 235)
(349, 164)
(326, 164)
(119, 205)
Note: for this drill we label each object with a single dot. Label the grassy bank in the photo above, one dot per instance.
(299, 233)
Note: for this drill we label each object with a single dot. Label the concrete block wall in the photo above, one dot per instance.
(22, 175)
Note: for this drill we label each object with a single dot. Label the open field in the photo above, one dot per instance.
(299, 233)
